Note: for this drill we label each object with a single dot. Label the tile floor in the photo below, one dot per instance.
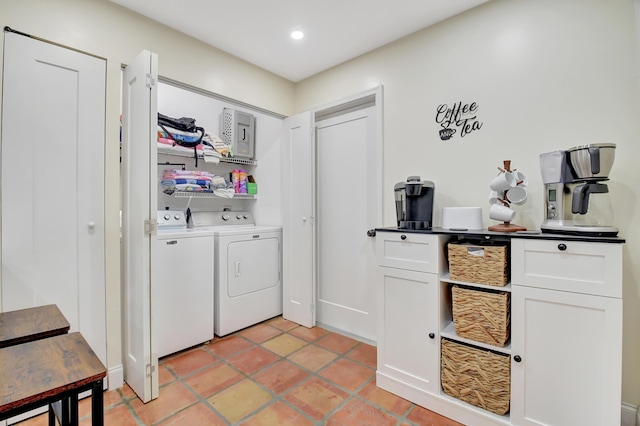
(274, 373)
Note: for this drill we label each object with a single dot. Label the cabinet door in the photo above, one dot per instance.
(570, 351)
(407, 327)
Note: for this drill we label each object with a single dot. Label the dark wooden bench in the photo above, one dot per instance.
(47, 371)
(26, 325)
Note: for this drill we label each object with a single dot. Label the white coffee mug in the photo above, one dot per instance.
(517, 195)
(494, 198)
(501, 213)
(503, 182)
(521, 179)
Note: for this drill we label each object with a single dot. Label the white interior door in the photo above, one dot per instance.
(349, 203)
(139, 210)
(298, 281)
(53, 121)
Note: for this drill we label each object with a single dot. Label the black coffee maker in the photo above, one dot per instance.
(414, 203)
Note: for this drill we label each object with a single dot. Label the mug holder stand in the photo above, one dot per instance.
(507, 227)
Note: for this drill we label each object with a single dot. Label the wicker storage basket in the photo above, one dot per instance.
(483, 316)
(478, 377)
(479, 264)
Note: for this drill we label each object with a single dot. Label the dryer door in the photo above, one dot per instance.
(253, 264)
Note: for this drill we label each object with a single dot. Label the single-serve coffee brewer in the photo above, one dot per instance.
(414, 203)
(576, 196)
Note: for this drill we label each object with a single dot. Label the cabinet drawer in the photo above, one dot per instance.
(415, 252)
(579, 267)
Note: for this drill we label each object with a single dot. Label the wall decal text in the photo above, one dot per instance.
(462, 116)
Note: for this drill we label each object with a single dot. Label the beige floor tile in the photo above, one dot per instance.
(284, 344)
(239, 400)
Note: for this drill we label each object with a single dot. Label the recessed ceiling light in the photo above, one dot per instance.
(297, 35)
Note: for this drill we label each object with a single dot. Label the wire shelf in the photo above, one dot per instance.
(189, 194)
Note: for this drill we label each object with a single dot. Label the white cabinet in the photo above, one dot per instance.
(566, 328)
(408, 298)
(566, 333)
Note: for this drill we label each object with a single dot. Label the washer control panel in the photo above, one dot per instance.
(171, 219)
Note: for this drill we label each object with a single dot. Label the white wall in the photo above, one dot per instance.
(547, 75)
(104, 29)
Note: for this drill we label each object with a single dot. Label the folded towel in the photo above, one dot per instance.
(218, 144)
(225, 192)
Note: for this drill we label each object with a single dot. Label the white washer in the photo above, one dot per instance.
(182, 307)
(248, 269)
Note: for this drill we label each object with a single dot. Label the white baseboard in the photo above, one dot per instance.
(115, 377)
(629, 415)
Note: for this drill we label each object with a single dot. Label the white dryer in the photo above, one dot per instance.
(248, 269)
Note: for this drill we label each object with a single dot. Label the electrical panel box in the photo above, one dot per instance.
(239, 130)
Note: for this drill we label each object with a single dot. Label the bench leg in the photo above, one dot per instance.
(59, 413)
(73, 410)
(97, 406)
(52, 416)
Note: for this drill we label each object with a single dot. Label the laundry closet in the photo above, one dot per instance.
(213, 264)
(216, 239)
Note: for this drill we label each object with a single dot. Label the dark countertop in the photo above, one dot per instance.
(502, 236)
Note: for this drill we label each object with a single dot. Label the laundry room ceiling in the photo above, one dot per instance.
(335, 31)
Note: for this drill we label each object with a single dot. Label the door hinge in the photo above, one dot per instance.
(150, 81)
(149, 226)
(312, 308)
(151, 368)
